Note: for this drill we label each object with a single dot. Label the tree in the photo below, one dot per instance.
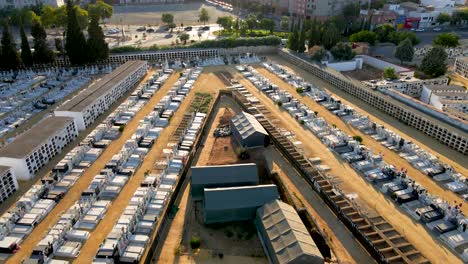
(184, 37)
(364, 36)
(342, 51)
(390, 73)
(167, 18)
(434, 63)
(351, 11)
(236, 25)
(226, 22)
(404, 51)
(449, 40)
(284, 23)
(82, 17)
(443, 18)
(243, 28)
(319, 54)
(10, 58)
(460, 16)
(203, 16)
(75, 42)
(251, 21)
(383, 32)
(96, 44)
(100, 9)
(267, 24)
(397, 37)
(315, 34)
(48, 17)
(26, 55)
(331, 36)
(42, 53)
(171, 26)
(301, 41)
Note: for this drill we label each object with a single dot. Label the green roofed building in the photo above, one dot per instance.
(221, 176)
(284, 237)
(236, 203)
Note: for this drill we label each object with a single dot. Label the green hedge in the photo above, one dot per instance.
(217, 43)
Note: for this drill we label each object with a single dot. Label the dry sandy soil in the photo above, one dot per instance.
(351, 183)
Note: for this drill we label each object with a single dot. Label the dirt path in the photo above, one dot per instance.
(75, 192)
(429, 144)
(371, 199)
(208, 82)
(390, 157)
(346, 248)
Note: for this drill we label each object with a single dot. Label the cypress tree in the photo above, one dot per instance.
(42, 53)
(26, 55)
(75, 45)
(301, 41)
(296, 38)
(97, 46)
(10, 58)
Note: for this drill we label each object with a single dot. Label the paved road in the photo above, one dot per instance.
(427, 36)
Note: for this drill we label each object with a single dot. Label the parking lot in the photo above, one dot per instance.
(149, 35)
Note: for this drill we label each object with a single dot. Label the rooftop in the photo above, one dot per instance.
(239, 197)
(446, 88)
(287, 235)
(224, 174)
(23, 144)
(82, 100)
(247, 124)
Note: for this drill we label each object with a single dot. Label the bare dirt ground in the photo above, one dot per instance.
(242, 246)
(340, 240)
(351, 183)
(75, 192)
(445, 153)
(390, 157)
(366, 73)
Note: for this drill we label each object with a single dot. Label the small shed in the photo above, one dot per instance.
(236, 203)
(221, 176)
(285, 238)
(248, 132)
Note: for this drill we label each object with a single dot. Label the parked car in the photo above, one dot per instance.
(437, 29)
(141, 29)
(150, 30)
(419, 30)
(168, 36)
(205, 28)
(188, 28)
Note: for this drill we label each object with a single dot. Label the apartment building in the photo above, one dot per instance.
(449, 132)
(25, 3)
(8, 183)
(31, 150)
(322, 9)
(461, 66)
(89, 104)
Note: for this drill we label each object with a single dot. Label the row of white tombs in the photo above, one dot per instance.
(446, 220)
(131, 234)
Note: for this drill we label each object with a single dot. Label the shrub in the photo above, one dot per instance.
(216, 43)
(357, 138)
(279, 103)
(195, 243)
(121, 128)
(299, 90)
(390, 73)
(302, 122)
